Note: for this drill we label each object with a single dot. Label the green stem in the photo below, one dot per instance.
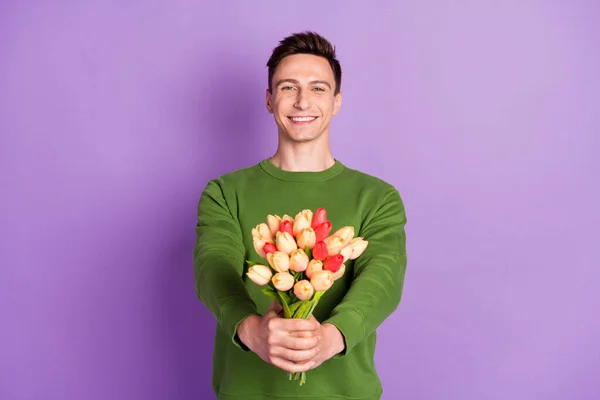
(304, 314)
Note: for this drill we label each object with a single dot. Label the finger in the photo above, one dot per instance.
(289, 366)
(275, 306)
(297, 356)
(270, 314)
(297, 324)
(296, 343)
(303, 334)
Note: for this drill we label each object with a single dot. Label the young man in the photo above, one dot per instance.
(254, 346)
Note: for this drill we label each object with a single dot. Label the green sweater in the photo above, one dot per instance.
(356, 304)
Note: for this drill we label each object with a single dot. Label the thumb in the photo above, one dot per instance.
(274, 308)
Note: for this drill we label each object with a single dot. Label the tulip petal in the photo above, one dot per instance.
(333, 263)
(319, 217)
(286, 226)
(320, 251)
(323, 230)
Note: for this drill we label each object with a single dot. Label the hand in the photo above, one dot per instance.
(289, 344)
(331, 342)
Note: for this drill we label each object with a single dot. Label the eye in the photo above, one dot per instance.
(285, 88)
(319, 89)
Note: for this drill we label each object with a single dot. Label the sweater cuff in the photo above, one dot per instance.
(350, 323)
(232, 314)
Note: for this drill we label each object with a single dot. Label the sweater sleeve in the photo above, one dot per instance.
(219, 263)
(378, 275)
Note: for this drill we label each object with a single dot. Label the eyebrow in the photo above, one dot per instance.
(296, 82)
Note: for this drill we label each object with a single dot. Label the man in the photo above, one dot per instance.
(254, 346)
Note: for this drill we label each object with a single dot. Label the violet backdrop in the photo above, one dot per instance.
(114, 115)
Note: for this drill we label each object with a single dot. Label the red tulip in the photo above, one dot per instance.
(320, 251)
(286, 226)
(319, 217)
(269, 248)
(322, 231)
(333, 263)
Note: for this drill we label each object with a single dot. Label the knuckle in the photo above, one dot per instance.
(272, 352)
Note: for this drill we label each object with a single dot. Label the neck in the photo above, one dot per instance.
(313, 156)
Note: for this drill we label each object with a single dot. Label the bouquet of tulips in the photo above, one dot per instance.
(303, 261)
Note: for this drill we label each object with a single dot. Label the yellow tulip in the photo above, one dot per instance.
(273, 222)
(302, 221)
(279, 261)
(322, 280)
(303, 290)
(285, 242)
(259, 274)
(338, 274)
(346, 233)
(283, 281)
(313, 266)
(298, 260)
(307, 238)
(358, 247)
(334, 245)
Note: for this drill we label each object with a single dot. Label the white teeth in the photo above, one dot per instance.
(302, 119)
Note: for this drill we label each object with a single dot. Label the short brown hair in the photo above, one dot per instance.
(306, 43)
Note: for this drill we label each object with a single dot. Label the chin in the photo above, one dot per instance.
(303, 137)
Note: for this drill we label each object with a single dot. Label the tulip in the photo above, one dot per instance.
(298, 260)
(286, 226)
(322, 280)
(346, 233)
(358, 247)
(285, 242)
(319, 217)
(303, 290)
(320, 251)
(283, 281)
(259, 274)
(261, 235)
(273, 222)
(322, 231)
(333, 263)
(340, 272)
(269, 248)
(306, 238)
(302, 221)
(262, 231)
(313, 266)
(288, 218)
(334, 245)
(259, 245)
(279, 261)
(346, 252)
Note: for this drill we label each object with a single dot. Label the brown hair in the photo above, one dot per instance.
(306, 43)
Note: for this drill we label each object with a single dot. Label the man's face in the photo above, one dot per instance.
(302, 99)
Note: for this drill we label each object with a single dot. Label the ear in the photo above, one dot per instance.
(337, 103)
(268, 102)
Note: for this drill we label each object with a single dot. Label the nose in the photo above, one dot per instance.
(301, 100)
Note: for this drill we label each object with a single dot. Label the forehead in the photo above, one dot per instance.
(303, 67)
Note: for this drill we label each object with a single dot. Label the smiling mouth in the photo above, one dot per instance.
(302, 120)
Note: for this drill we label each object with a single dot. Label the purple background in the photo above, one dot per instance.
(113, 116)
